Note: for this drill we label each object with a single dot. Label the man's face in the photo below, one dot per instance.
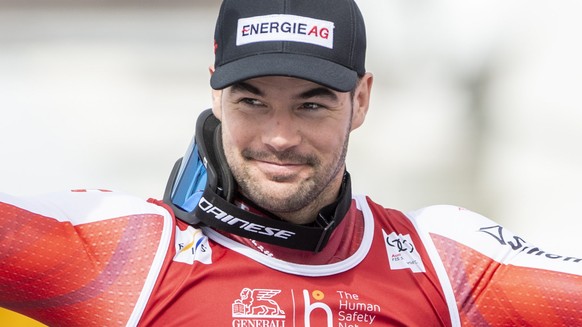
(285, 140)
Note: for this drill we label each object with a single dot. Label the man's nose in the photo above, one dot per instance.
(281, 131)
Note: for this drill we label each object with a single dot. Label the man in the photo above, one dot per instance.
(258, 226)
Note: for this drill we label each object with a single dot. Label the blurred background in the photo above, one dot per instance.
(476, 103)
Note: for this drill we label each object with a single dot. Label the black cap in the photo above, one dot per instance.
(323, 41)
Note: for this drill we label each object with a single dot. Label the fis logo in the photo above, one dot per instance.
(285, 28)
(192, 245)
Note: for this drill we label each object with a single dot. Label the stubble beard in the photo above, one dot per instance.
(295, 196)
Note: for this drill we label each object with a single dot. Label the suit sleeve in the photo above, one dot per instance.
(496, 277)
(79, 258)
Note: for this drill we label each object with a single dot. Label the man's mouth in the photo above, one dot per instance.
(279, 170)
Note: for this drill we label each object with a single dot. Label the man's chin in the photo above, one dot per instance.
(276, 198)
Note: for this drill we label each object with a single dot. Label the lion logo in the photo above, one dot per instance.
(257, 303)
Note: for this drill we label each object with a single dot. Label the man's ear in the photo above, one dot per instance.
(217, 103)
(216, 98)
(362, 100)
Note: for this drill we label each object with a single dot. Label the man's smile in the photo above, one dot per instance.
(279, 169)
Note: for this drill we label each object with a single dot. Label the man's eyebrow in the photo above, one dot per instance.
(319, 92)
(245, 87)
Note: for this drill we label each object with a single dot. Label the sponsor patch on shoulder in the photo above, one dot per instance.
(402, 253)
(192, 245)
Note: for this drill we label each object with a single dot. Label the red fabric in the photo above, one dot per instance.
(64, 275)
(493, 294)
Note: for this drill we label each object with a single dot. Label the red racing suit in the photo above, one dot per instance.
(100, 258)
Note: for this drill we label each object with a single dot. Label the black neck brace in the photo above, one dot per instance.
(216, 212)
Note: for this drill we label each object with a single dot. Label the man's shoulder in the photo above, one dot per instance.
(440, 219)
(84, 205)
(433, 212)
(437, 216)
(76, 240)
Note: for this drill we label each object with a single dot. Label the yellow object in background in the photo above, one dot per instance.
(13, 319)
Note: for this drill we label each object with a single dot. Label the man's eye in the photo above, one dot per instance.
(251, 102)
(311, 106)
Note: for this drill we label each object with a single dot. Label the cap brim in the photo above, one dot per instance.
(313, 69)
